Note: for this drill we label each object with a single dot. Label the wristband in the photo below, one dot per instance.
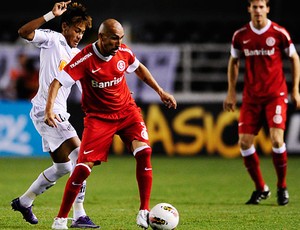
(49, 16)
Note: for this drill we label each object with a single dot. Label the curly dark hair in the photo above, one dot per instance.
(76, 13)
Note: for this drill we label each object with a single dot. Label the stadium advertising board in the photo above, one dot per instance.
(18, 137)
(190, 130)
(194, 129)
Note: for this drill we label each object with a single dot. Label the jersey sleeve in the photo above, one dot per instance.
(289, 47)
(235, 49)
(74, 70)
(235, 53)
(65, 79)
(44, 38)
(131, 68)
(79, 86)
(290, 50)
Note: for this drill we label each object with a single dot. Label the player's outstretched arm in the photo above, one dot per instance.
(144, 74)
(27, 30)
(50, 117)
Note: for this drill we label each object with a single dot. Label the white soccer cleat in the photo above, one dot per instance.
(142, 219)
(60, 223)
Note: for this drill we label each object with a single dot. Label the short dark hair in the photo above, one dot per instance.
(267, 2)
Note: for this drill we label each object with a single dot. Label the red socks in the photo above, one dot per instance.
(144, 176)
(252, 164)
(280, 164)
(81, 172)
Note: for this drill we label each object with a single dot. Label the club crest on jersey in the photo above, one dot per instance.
(121, 65)
(270, 41)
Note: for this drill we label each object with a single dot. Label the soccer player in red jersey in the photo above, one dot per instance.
(109, 109)
(263, 43)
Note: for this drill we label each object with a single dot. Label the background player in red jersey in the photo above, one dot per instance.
(110, 109)
(263, 43)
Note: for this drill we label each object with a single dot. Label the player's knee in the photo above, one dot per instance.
(277, 143)
(62, 169)
(73, 156)
(245, 144)
(143, 151)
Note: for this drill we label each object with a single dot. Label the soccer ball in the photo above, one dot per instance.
(163, 216)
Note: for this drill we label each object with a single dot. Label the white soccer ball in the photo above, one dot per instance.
(163, 216)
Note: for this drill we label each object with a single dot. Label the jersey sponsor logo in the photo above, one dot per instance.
(106, 84)
(87, 152)
(81, 60)
(95, 70)
(121, 65)
(126, 50)
(261, 52)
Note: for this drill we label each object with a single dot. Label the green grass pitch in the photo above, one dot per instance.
(209, 193)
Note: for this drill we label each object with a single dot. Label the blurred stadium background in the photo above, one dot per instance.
(185, 44)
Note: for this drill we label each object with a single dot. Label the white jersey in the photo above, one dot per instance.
(54, 55)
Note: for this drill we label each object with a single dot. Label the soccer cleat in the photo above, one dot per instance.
(142, 219)
(26, 212)
(257, 196)
(282, 196)
(83, 222)
(60, 223)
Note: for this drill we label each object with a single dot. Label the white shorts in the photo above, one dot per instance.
(53, 137)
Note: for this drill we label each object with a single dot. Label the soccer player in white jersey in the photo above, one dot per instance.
(263, 44)
(110, 109)
(56, 50)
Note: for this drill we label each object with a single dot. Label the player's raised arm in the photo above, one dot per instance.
(144, 74)
(52, 93)
(27, 30)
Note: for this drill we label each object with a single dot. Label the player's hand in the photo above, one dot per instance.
(60, 7)
(296, 100)
(50, 118)
(168, 100)
(229, 103)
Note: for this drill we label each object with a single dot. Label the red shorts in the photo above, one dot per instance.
(252, 115)
(98, 135)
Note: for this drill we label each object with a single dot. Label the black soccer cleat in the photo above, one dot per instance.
(257, 196)
(282, 196)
